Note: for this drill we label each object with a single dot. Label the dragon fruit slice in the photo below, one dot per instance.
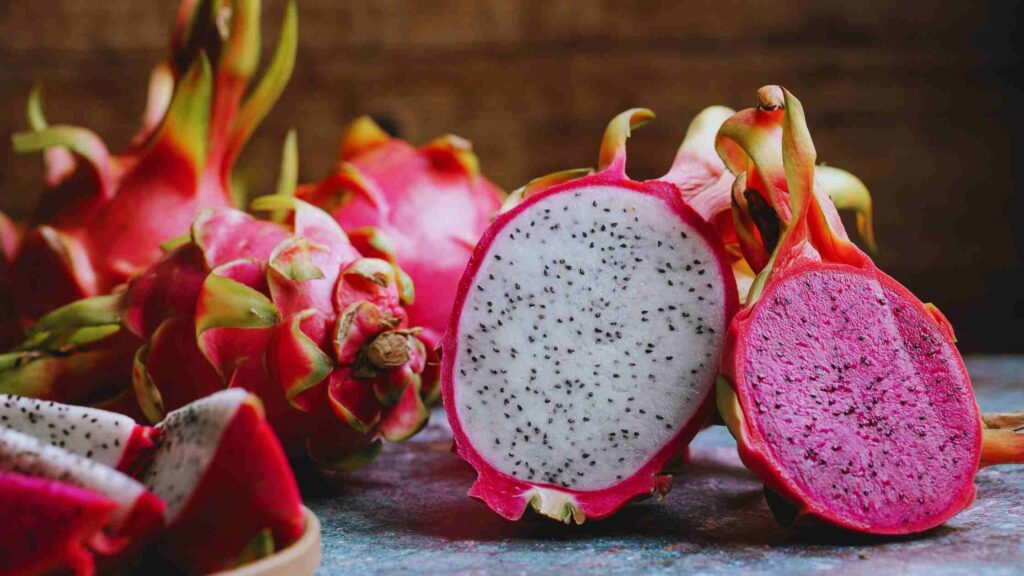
(846, 394)
(110, 439)
(585, 340)
(422, 208)
(49, 526)
(290, 311)
(138, 513)
(104, 216)
(223, 474)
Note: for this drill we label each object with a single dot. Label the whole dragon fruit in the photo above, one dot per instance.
(584, 345)
(290, 311)
(846, 394)
(104, 216)
(422, 208)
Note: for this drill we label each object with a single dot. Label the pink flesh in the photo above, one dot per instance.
(860, 400)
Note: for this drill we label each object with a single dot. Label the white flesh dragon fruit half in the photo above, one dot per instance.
(585, 342)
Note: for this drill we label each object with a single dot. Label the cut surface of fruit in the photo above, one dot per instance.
(885, 436)
(580, 362)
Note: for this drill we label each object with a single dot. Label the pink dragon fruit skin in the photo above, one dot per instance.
(507, 487)
(846, 394)
(422, 208)
(104, 216)
(49, 526)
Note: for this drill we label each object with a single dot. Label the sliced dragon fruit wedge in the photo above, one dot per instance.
(585, 340)
(49, 526)
(110, 439)
(138, 513)
(226, 482)
(846, 394)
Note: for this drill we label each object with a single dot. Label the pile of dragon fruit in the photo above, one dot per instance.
(173, 346)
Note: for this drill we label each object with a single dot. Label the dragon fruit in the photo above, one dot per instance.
(110, 439)
(586, 336)
(104, 216)
(222, 472)
(422, 208)
(846, 394)
(49, 526)
(137, 514)
(290, 311)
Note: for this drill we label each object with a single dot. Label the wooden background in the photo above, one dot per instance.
(918, 99)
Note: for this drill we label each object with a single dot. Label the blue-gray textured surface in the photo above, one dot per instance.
(408, 513)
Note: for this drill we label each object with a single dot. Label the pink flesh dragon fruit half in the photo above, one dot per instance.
(422, 208)
(586, 335)
(49, 526)
(289, 310)
(104, 216)
(230, 493)
(846, 394)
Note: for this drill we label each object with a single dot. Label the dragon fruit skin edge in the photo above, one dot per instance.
(509, 494)
(422, 208)
(832, 350)
(104, 216)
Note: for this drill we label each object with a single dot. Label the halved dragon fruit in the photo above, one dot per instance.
(137, 513)
(105, 437)
(223, 474)
(585, 340)
(104, 216)
(421, 208)
(49, 526)
(846, 394)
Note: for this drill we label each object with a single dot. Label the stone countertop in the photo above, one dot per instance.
(408, 513)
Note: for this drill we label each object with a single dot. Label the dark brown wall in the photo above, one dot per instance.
(914, 98)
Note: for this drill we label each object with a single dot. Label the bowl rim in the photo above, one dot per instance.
(301, 558)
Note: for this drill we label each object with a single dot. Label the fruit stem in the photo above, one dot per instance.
(1003, 438)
